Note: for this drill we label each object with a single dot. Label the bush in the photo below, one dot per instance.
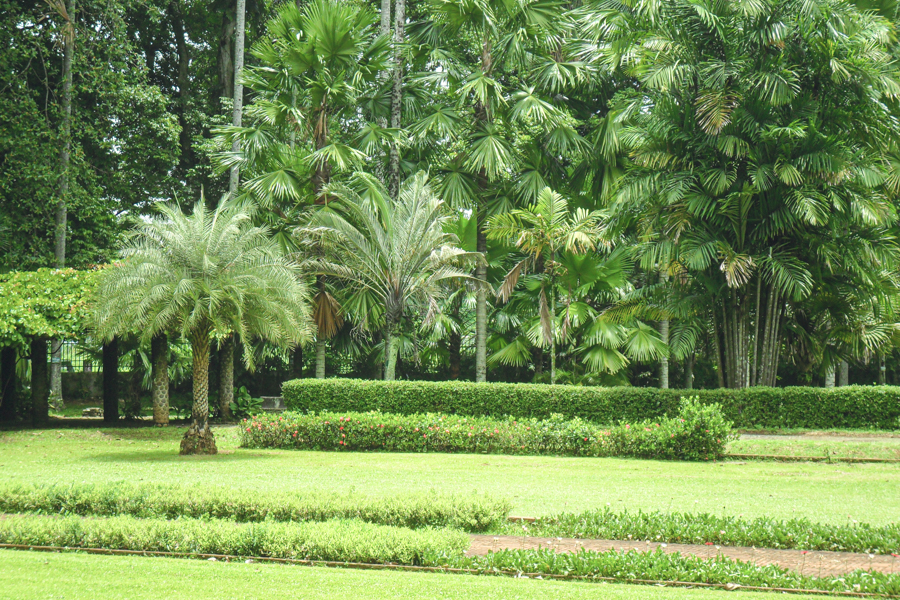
(350, 541)
(686, 528)
(853, 407)
(469, 512)
(697, 432)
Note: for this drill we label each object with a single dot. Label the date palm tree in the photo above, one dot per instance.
(396, 251)
(195, 274)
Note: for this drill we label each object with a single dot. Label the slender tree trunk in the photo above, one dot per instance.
(40, 383)
(882, 380)
(8, 399)
(56, 395)
(717, 349)
(226, 377)
(537, 357)
(454, 347)
(225, 59)
(689, 371)
(133, 389)
(320, 359)
(829, 377)
(754, 379)
(238, 88)
(184, 58)
(111, 381)
(844, 374)
(385, 17)
(159, 361)
(552, 332)
(297, 365)
(481, 309)
(397, 95)
(199, 438)
(390, 345)
(664, 336)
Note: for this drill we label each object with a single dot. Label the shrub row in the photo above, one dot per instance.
(686, 528)
(469, 512)
(853, 407)
(339, 540)
(697, 433)
(355, 541)
(658, 566)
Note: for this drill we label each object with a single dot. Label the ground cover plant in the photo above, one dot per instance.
(697, 432)
(469, 512)
(79, 576)
(535, 485)
(856, 407)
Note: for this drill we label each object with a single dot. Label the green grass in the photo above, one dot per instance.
(80, 576)
(880, 447)
(537, 486)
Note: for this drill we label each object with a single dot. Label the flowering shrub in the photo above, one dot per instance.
(696, 433)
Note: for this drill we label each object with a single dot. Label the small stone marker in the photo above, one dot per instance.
(92, 412)
(272, 404)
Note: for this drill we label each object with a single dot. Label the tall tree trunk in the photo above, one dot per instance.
(882, 380)
(320, 359)
(59, 246)
(159, 361)
(756, 316)
(199, 438)
(717, 349)
(184, 58)
(397, 95)
(385, 17)
(664, 336)
(689, 371)
(829, 376)
(481, 308)
(238, 88)
(225, 58)
(454, 345)
(111, 381)
(133, 389)
(844, 374)
(390, 344)
(40, 383)
(297, 362)
(552, 332)
(226, 377)
(537, 357)
(8, 399)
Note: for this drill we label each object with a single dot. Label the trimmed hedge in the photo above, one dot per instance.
(351, 541)
(697, 433)
(853, 407)
(703, 528)
(470, 512)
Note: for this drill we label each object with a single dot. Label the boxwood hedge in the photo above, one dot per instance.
(852, 407)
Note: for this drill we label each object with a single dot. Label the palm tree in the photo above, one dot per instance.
(394, 250)
(543, 232)
(193, 275)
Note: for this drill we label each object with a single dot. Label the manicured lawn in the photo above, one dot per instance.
(880, 447)
(81, 576)
(827, 493)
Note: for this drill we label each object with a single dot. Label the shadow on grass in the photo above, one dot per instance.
(171, 455)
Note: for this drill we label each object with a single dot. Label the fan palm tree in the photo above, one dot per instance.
(543, 232)
(194, 274)
(395, 251)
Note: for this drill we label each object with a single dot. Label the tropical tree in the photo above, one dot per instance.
(195, 274)
(759, 155)
(396, 251)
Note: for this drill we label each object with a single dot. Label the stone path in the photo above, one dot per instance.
(811, 563)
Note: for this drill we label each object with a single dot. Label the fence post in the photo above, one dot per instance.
(40, 383)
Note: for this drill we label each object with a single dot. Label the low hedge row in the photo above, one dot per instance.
(339, 540)
(472, 512)
(697, 433)
(687, 528)
(853, 407)
(355, 541)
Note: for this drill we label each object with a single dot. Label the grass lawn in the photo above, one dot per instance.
(81, 576)
(827, 493)
(880, 447)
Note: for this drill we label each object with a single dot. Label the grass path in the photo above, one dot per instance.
(827, 493)
(93, 577)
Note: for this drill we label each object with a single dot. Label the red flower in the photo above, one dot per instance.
(248, 429)
(585, 439)
(341, 428)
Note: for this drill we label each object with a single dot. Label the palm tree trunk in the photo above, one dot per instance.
(844, 374)
(689, 372)
(297, 365)
(717, 348)
(225, 57)
(159, 374)
(111, 381)
(40, 383)
(552, 333)
(199, 438)
(390, 345)
(664, 362)
(238, 87)
(881, 369)
(226, 377)
(133, 395)
(385, 17)
(397, 95)
(829, 377)
(8, 384)
(320, 359)
(56, 395)
(481, 309)
(756, 316)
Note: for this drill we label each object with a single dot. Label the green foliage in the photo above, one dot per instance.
(44, 303)
(336, 540)
(725, 530)
(470, 512)
(244, 404)
(852, 407)
(632, 565)
(698, 433)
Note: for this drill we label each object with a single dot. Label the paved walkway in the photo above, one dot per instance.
(812, 563)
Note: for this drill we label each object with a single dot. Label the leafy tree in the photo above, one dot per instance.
(195, 274)
(395, 250)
